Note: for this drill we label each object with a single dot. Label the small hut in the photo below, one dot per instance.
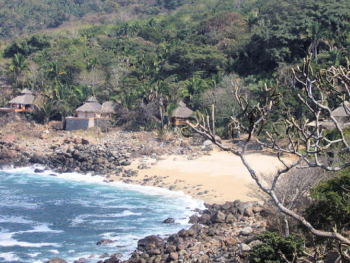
(23, 102)
(90, 109)
(181, 114)
(108, 109)
(91, 114)
(342, 113)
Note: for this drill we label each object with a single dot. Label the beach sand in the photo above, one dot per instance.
(217, 178)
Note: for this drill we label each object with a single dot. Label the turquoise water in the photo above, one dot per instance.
(42, 216)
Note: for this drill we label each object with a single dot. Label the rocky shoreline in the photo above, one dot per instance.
(222, 233)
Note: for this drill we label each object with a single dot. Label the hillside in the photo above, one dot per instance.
(148, 55)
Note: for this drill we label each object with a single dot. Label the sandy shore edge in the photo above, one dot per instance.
(215, 178)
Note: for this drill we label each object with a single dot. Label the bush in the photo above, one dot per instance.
(332, 209)
(274, 247)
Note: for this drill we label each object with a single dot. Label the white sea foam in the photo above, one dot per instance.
(125, 213)
(9, 257)
(87, 178)
(15, 220)
(7, 238)
(34, 255)
(54, 251)
(43, 228)
(190, 202)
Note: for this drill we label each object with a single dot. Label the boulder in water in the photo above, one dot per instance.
(104, 242)
(169, 221)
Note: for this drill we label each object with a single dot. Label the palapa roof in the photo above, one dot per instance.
(328, 124)
(92, 99)
(26, 98)
(341, 112)
(108, 107)
(182, 111)
(26, 91)
(91, 105)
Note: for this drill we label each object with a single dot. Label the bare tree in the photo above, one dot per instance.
(292, 189)
(307, 143)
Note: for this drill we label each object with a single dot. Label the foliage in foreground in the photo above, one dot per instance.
(276, 249)
(332, 209)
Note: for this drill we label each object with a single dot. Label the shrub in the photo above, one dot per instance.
(274, 248)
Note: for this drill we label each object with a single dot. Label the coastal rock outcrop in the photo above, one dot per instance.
(226, 235)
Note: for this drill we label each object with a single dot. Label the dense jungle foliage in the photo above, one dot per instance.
(148, 55)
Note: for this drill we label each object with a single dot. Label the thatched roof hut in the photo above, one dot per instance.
(182, 111)
(108, 107)
(26, 97)
(181, 114)
(91, 105)
(342, 111)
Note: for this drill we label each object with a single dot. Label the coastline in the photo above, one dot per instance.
(193, 167)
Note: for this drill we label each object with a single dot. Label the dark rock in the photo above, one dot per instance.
(218, 217)
(150, 240)
(169, 221)
(173, 256)
(85, 141)
(204, 219)
(230, 218)
(38, 171)
(248, 212)
(153, 252)
(194, 219)
(104, 242)
(105, 255)
(113, 259)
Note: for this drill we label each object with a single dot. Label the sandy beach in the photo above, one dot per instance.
(216, 178)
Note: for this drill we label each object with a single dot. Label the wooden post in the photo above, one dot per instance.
(213, 119)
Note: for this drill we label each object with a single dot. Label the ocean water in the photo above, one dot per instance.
(43, 216)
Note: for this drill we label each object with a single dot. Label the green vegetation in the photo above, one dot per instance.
(190, 51)
(275, 249)
(332, 209)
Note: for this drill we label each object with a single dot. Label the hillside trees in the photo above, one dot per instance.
(182, 49)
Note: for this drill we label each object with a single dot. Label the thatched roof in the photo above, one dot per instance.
(92, 99)
(91, 105)
(341, 112)
(328, 124)
(182, 111)
(108, 107)
(26, 98)
(26, 91)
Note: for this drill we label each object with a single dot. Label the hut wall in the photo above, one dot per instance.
(73, 124)
(83, 114)
(179, 122)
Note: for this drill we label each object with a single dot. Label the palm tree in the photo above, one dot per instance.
(251, 20)
(17, 66)
(193, 88)
(54, 71)
(317, 34)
